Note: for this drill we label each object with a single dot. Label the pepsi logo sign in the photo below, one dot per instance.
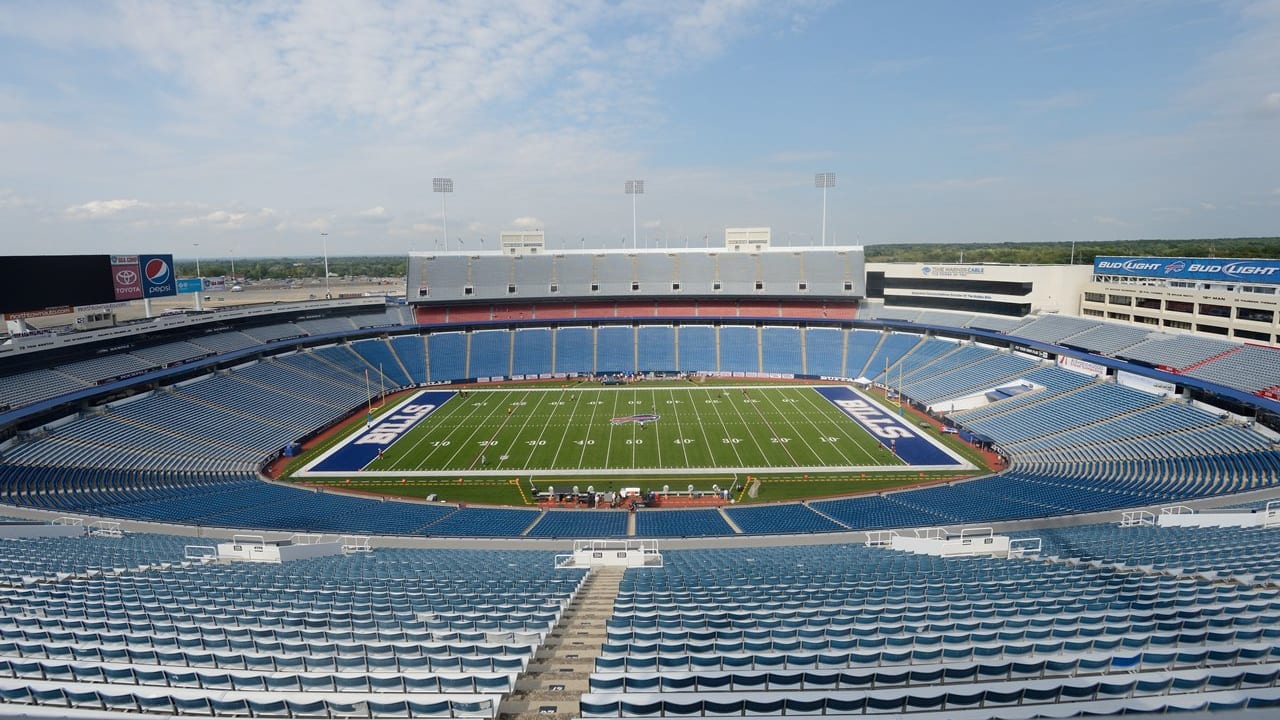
(157, 271)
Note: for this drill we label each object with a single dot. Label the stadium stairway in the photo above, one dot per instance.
(558, 675)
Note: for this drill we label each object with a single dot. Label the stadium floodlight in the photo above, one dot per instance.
(633, 188)
(324, 239)
(824, 180)
(444, 186)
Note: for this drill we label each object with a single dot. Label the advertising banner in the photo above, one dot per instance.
(158, 277)
(126, 277)
(1180, 268)
(1084, 367)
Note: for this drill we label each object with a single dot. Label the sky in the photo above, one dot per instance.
(244, 129)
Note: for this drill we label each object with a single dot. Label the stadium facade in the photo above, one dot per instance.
(163, 426)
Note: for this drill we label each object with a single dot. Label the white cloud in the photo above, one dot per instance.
(229, 219)
(300, 225)
(99, 209)
(10, 200)
(526, 222)
(1208, 206)
(374, 216)
(402, 63)
(651, 224)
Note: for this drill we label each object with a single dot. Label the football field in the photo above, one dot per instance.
(626, 431)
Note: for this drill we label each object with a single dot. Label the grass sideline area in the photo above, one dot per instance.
(702, 428)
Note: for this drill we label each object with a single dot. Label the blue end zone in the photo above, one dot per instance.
(907, 442)
(357, 451)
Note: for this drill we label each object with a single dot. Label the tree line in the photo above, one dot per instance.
(299, 268)
(1042, 253)
(1032, 253)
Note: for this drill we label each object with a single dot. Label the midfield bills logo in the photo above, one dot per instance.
(642, 419)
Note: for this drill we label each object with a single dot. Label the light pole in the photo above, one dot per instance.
(199, 276)
(824, 180)
(324, 239)
(444, 186)
(633, 188)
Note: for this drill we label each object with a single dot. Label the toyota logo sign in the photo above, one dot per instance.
(126, 277)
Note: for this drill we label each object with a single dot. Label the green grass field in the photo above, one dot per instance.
(570, 431)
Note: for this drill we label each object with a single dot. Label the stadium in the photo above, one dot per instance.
(756, 481)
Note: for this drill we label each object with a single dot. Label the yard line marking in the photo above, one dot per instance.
(591, 423)
(776, 437)
(608, 446)
(680, 431)
(462, 444)
(702, 427)
(846, 429)
(725, 428)
(493, 438)
(407, 453)
(564, 436)
(801, 433)
(533, 413)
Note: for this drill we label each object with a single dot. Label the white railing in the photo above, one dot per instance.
(880, 538)
(1271, 516)
(200, 553)
(355, 544)
(105, 528)
(1137, 518)
(1022, 547)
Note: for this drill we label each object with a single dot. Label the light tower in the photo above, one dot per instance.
(444, 186)
(824, 180)
(324, 241)
(634, 188)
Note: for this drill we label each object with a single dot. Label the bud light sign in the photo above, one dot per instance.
(157, 276)
(1208, 269)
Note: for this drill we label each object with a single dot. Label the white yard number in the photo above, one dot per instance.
(683, 441)
(673, 402)
(780, 439)
(828, 439)
(487, 443)
(440, 443)
(584, 442)
(730, 441)
(535, 443)
(635, 441)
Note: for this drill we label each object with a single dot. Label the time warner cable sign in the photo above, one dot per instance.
(1179, 268)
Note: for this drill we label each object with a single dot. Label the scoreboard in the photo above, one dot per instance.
(42, 283)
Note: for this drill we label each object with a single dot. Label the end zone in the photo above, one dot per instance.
(355, 453)
(914, 447)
